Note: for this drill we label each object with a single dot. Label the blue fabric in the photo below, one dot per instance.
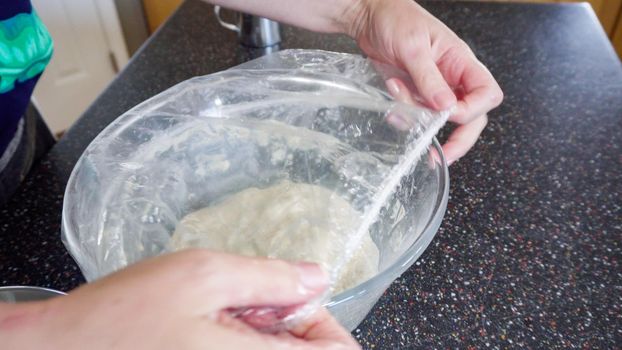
(10, 8)
(24, 55)
(12, 107)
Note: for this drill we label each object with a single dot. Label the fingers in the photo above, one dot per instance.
(460, 141)
(429, 81)
(323, 331)
(481, 93)
(400, 93)
(266, 319)
(320, 331)
(477, 92)
(475, 103)
(463, 138)
(236, 281)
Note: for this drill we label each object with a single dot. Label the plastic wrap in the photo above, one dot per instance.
(305, 117)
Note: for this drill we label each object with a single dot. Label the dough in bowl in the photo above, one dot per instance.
(290, 221)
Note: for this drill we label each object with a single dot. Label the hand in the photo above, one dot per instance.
(444, 70)
(177, 301)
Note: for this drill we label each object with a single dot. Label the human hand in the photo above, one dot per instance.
(177, 301)
(444, 70)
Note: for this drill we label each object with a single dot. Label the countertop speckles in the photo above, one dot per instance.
(528, 255)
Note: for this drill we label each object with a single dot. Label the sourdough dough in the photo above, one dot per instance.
(290, 221)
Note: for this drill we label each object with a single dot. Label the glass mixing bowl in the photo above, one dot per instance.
(423, 197)
(207, 138)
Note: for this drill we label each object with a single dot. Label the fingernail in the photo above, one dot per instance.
(444, 100)
(311, 276)
(394, 89)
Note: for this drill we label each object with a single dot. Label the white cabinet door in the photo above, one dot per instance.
(86, 37)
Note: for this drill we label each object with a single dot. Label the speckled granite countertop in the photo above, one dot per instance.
(528, 255)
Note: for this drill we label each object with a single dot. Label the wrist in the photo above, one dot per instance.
(355, 17)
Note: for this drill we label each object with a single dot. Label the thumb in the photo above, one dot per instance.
(239, 281)
(430, 83)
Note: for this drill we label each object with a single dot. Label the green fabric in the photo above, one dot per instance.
(25, 49)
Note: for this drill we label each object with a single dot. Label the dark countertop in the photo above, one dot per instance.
(528, 255)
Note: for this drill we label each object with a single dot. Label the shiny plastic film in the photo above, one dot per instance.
(301, 155)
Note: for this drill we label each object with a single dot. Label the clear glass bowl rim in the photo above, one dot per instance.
(418, 246)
